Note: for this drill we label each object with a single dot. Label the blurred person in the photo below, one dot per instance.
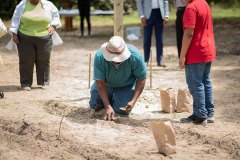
(153, 13)
(180, 6)
(120, 75)
(3, 31)
(197, 53)
(84, 12)
(33, 24)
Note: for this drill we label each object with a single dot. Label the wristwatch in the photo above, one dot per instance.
(54, 27)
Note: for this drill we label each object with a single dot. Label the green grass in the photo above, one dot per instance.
(218, 13)
(130, 19)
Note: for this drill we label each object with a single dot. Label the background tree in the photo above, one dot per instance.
(7, 8)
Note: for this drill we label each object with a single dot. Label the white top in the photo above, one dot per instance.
(180, 3)
(155, 4)
(47, 5)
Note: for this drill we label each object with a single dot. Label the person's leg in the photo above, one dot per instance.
(179, 30)
(87, 13)
(1, 94)
(194, 77)
(82, 21)
(159, 36)
(148, 38)
(27, 54)
(43, 48)
(121, 97)
(95, 101)
(208, 91)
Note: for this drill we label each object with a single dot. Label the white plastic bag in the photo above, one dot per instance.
(56, 39)
(11, 46)
(3, 29)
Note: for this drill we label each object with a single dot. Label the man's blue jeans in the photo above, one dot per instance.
(118, 97)
(155, 20)
(200, 86)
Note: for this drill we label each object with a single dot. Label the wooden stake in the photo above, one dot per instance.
(118, 18)
(151, 73)
(60, 125)
(89, 70)
(1, 61)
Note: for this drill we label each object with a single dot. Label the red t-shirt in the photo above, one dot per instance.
(198, 16)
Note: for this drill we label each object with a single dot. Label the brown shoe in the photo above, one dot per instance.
(161, 65)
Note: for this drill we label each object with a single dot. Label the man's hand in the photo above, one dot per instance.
(165, 20)
(109, 115)
(128, 107)
(15, 38)
(182, 62)
(144, 22)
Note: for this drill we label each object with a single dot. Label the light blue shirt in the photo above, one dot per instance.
(125, 74)
(49, 6)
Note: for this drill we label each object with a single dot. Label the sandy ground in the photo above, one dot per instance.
(30, 121)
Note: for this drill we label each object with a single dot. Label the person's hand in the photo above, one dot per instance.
(51, 29)
(182, 62)
(165, 20)
(128, 107)
(109, 115)
(15, 38)
(144, 22)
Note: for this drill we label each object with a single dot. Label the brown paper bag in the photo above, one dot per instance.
(164, 136)
(183, 101)
(168, 100)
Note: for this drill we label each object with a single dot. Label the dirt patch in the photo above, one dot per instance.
(30, 121)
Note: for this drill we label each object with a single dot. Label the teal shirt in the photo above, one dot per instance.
(126, 74)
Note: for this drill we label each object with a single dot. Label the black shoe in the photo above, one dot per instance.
(194, 119)
(161, 65)
(1, 94)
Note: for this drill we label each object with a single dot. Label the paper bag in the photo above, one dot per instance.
(184, 102)
(164, 136)
(168, 100)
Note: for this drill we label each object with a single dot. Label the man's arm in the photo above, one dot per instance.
(138, 90)
(166, 11)
(102, 90)
(140, 12)
(140, 8)
(186, 41)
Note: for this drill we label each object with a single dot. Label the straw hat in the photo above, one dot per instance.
(115, 50)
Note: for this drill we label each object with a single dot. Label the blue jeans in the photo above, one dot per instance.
(118, 97)
(200, 86)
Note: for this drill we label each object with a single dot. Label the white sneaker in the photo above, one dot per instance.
(26, 88)
(92, 112)
(210, 120)
(44, 87)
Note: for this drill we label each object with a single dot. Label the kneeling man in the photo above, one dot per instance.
(120, 76)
